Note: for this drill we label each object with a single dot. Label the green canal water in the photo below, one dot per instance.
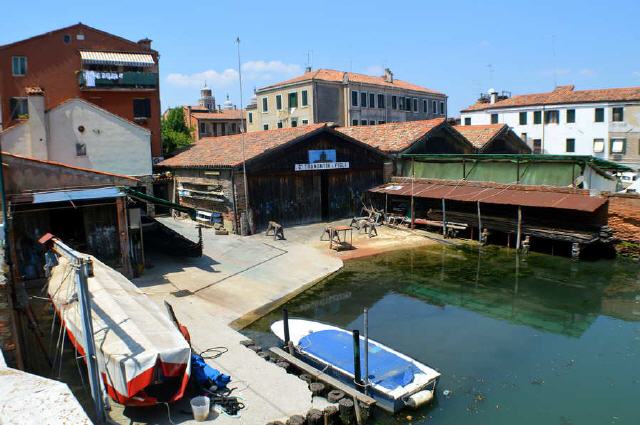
(544, 340)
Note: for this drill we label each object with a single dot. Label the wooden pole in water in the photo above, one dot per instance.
(444, 219)
(356, 360)
(285, 324)
(366, 350)
(519, 234)
(479, 224)
(413, 177)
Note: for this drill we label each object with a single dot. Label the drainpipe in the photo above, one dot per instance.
(543, 126)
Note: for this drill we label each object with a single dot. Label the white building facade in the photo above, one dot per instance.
(602, 123)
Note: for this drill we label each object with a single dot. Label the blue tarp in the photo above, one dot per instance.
(205, 375)
(336, 348)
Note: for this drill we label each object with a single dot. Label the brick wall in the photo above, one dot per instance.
(624, 219)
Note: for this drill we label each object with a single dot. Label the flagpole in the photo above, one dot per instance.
(242, 134)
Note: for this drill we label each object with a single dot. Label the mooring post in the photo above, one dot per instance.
(356, 359)
(366, 350)
(479, 224)
(285, 324)
(444, 219)
(519, 234)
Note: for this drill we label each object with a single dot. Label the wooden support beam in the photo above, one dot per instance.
(321, 376)
(123, 236)
(479, 224)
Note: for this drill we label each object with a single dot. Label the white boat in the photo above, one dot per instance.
(142, 357)
(396, 381)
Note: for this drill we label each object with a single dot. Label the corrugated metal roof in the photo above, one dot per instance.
(76, 195)
(526, 196)
(114, 58)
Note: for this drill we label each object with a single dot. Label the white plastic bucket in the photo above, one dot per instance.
(200, 407)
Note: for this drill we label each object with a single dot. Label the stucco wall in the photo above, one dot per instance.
(285, 114)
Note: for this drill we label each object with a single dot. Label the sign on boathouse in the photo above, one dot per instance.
(321, 160)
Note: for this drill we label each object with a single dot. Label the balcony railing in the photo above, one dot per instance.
(106, 80)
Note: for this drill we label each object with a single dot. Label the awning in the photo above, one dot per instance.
(114, 58)
(159, 201)
(526, 196)
(76, 195)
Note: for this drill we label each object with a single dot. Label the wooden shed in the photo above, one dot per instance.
(293, 175)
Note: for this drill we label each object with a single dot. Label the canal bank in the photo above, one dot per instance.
(536, 340)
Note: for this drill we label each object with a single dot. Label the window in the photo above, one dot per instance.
(223, 129)
(265, 126)
(354, 98)
(442, 108)
(598, 145)
(424, 106)
(617, 114)
(537, 117)
(467, 121)
(381, 122)
(81, 149)
(415, 105)
(19, 66)
(571, 145)
(408, 104)
(494, 118)
(305, 98)
(203, 128)
(293, 100)
(537, 146)
(294, 122)
(66, 39)
(394, 102)
(523, 136)
(551, 117)
(618, 145)
(381, 101)
(523, 118)
(363, 122)
(305, 122)
(354, 122)
(279, 124)
(363, 99)
(265, 104)
(234, 128)
(19, 107)
(571, 116)
(278, 102)
(599, 115)
(250, 117)
(401, 103)
(372, 122)
(141, 108)
(433, 107)
(372, 100)
(215, 129)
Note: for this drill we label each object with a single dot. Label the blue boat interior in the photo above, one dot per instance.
(336, 348)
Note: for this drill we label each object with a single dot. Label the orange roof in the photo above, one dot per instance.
(226, 151)
(339, 76)
(394, 136)
(225, 114)
(480, 135)
(561, 95)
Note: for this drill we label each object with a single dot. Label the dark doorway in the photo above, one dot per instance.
(324, 195)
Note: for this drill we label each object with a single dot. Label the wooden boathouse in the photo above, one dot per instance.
(293, 176)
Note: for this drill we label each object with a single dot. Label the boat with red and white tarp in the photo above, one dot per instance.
(142, 357)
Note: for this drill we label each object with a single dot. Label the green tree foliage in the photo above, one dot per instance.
(175, 133)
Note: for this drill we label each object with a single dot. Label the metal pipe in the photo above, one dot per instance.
(366, 350)
(356, 360)
(444, 219)
(518, 236)
(479, 224)
(285, 324)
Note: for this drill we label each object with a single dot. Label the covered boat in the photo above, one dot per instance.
(396, 381)
(142, 357)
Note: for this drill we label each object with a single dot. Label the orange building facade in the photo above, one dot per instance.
(116, 74)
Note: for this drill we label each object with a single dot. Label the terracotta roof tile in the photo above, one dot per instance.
(480, 135)
(392, 137)
(561, 95)
(339, 76)
(225, 114)
(226, 151)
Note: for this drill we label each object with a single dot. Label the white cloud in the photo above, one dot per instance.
(588, 72)
(253, 71)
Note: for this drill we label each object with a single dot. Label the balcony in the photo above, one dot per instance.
(98, 80)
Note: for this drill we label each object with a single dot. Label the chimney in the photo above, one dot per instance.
(145, 43)
(388, 75)
(36, 126)
(307, 69)
(493, 96)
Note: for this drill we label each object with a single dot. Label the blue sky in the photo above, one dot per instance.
(447, 46)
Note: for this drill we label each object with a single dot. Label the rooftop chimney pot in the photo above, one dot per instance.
(388, 75)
